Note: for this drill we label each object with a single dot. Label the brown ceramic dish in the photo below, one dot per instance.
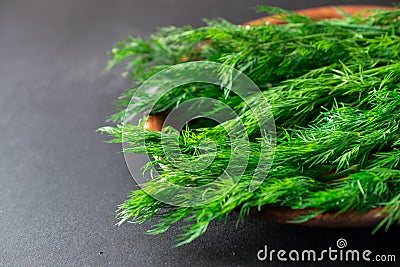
(351, 219)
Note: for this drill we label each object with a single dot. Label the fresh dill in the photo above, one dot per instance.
(334, 88)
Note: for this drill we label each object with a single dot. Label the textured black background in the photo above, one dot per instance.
(60, 186)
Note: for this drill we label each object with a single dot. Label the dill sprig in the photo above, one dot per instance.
(334, 89)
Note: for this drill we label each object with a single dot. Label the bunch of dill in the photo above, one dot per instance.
(334, 88)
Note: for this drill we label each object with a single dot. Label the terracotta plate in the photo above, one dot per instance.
(284, 214)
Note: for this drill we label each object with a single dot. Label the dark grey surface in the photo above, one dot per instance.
(60, 186)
